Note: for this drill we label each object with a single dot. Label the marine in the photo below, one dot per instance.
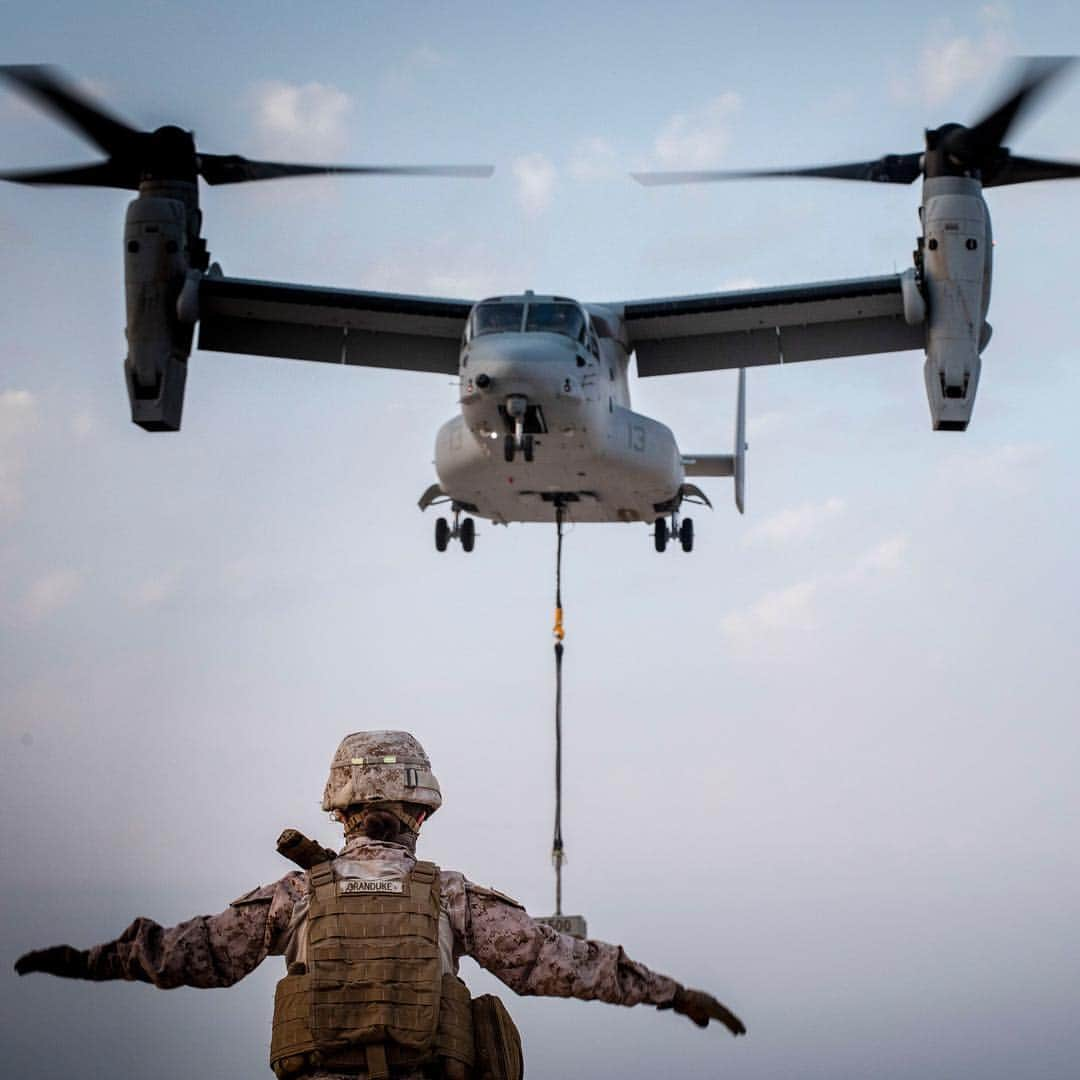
(372, 938)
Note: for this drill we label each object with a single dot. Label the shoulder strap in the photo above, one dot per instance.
(425, 872)
(322, 874)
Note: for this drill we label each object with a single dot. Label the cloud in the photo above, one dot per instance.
(448, 265)
(1009, 457)
(154, 591)
(411, 68)
(796, 608)
(308, 121)
(424, 57)
(473, 283)
(738, 284)
(593, 159)
(766, 424)
(797, 523)
(535, 176)
(51, 592)
(83, 425)
(697, 140)
(950, 61)
(1009, 467)
(18, 418)
(886, 558)
(782, 609)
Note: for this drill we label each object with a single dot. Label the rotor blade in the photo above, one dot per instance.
(891, 169)
(1023, 170)
(1034, 77)
(47, 87)
(234, 169)
(105, 174)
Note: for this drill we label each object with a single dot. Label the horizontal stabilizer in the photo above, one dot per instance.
(709, 464)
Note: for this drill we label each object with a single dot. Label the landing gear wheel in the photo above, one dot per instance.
(508, 448)
(467, 534)
(686, 535)
(527, 447)
(442, 534)
(660, 534)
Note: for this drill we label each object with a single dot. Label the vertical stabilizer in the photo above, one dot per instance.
(733, 465)
(740, 444)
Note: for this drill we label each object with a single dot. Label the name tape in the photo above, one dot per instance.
(352, 886)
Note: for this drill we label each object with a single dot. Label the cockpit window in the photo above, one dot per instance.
(557, 319)
(505, 316)
(496, 318)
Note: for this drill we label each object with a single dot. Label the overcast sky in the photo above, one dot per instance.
(824, 767)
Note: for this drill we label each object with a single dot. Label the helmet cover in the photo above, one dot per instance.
(381, 766)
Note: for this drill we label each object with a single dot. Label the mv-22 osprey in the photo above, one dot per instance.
(546, 430)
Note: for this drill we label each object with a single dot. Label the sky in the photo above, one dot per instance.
(824, 767)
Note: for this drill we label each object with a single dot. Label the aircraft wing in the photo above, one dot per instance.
(769, 326)
(335, 326)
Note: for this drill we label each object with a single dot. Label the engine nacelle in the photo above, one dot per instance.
(956, 270)
(159, 343)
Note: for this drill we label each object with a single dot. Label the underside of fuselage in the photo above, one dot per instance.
(629, 470)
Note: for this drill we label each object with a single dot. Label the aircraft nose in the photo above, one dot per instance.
(517, 363)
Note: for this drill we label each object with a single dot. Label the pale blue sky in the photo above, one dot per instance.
(824, 767)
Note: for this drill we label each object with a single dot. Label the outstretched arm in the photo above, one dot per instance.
(534, 959)
(209, 950)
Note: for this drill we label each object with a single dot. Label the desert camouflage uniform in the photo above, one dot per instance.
(529, 957)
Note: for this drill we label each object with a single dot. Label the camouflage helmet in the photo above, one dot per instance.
(381, 766)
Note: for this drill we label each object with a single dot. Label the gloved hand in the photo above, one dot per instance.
(701, 1008)
(58, 960)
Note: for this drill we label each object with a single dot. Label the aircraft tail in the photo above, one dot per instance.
(733, 465)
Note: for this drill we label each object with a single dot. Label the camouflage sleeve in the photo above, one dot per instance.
(209, 950)
(532, 958)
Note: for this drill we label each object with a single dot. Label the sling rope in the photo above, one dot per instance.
(557, 855)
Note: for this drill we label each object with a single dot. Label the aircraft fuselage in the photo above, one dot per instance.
(564, 393)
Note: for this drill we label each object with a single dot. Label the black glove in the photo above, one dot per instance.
(701, 1008)
(59, 960)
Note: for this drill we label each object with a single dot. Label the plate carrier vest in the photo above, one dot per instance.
(372, 995)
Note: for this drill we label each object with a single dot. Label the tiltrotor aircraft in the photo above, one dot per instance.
(545, 428)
